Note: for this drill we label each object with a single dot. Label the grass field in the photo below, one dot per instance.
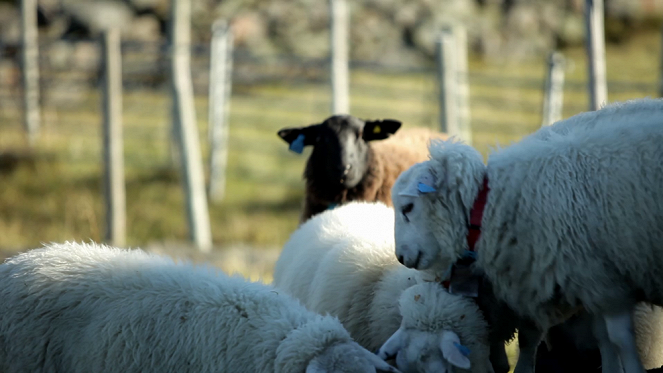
(58, 196)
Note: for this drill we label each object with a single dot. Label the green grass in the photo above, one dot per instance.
(60, 198)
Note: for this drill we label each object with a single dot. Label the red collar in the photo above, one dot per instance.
(476, 215)
(474, 228)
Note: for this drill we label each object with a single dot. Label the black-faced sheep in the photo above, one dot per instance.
(354, 159)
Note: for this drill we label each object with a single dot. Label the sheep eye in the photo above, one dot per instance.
(407, 209)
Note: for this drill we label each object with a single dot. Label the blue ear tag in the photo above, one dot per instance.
(297, 146)
(423, 188)
(463, 350)
(332, 206)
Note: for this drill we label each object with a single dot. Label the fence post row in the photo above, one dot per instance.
(553, 92)
(113, 148)
(339, 57)
(595, 41)
(30, 69)
(220, 86)
(185, 122)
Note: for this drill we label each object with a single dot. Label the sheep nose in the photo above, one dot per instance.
(347, 169)
(400, 259)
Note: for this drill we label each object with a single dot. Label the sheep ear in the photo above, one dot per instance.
(455, 353)
(298, 137)
(392, 345)
(426, 181)
(423, 183)
(380, 129)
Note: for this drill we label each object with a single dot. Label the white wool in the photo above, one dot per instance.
(342, 262)
(428, 311)
(90, 308)
(573, 217)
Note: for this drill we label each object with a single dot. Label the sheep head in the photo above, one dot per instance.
(341, 151)
(432, 201)
(433, 325)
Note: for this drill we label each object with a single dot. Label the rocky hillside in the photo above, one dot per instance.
(381, 30)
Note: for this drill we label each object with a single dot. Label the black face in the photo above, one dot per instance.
(340, 147)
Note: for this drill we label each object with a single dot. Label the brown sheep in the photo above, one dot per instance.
(348, 163)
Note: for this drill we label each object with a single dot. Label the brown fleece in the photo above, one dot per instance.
(387, 159)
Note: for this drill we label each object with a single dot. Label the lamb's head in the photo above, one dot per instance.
(340, 156)
(432, 202)
(438, 331)
(348, 357)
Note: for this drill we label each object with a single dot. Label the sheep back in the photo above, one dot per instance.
(86, 307)
(575, 219)
(342, 262)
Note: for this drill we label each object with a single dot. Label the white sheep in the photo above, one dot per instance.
(342, 262)
(572, 220)
(90, 308)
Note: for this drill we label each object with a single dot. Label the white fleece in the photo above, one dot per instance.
(90, 308)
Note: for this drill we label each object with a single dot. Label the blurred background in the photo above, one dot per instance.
(51, 166)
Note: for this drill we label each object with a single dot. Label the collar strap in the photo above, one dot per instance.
(476, 215)
(473, 233)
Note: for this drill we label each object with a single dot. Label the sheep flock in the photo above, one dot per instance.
(412, 255)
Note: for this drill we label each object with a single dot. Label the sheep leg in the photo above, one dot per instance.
(620, 332)
(529, 338)
(610, 362)
(498, 358)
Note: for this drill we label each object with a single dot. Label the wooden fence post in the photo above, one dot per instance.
(339, 57)
(30, 68)
(220, 86)
(113, 148)
(185, 122)
(595, 38)
(553, 92)
(448, 84)
(464, 122)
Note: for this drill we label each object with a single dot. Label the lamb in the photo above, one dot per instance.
(341, 262)
(354, 159)
(90, 308)
(433, 317)
(566, 220)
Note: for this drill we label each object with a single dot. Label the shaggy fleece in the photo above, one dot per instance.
(342, 262)
(91, 308)
(574, 216)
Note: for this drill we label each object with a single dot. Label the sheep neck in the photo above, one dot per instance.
(476, 215)
(460, 271)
